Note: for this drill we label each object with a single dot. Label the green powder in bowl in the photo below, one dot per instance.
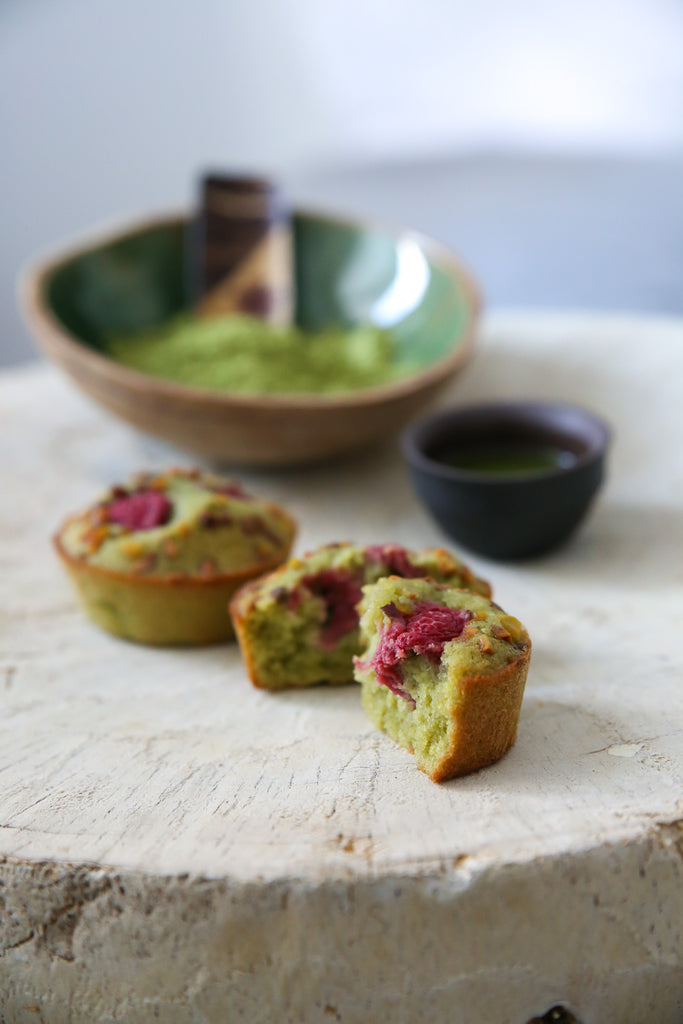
(247, 355)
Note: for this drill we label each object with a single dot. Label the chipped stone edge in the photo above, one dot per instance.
(599, 931)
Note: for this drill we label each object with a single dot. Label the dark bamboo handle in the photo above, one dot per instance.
(242, 250)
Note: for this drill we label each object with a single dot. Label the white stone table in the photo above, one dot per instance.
(177, 846)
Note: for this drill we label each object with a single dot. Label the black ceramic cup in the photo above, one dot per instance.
(508, 515)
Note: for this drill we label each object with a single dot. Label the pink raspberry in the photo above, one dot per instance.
(142, 510)
(396, 560)
(340, 593)
(426, 630)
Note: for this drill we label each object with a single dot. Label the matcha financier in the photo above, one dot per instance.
(158, 558)
(299, 625)
(442, 673)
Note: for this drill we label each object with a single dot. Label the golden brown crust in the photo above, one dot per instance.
(245, 597)
(484, 723)
(240, 605)
(238, 617)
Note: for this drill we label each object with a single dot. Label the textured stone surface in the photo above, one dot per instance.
(179, 846)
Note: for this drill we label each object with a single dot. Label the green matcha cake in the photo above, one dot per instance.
(299, 625)
(157, 559)
(442, 672)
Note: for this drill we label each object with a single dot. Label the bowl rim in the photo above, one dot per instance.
(530, 411)
(58, 341)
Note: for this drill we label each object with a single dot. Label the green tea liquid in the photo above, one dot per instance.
(507, 458)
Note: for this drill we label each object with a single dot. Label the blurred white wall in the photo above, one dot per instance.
(442, 75)
(111, 106)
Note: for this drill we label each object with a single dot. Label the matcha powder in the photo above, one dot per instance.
(247, 355)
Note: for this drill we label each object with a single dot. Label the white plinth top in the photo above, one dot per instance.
(170, 762)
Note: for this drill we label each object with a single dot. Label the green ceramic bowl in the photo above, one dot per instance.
(346, 273)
